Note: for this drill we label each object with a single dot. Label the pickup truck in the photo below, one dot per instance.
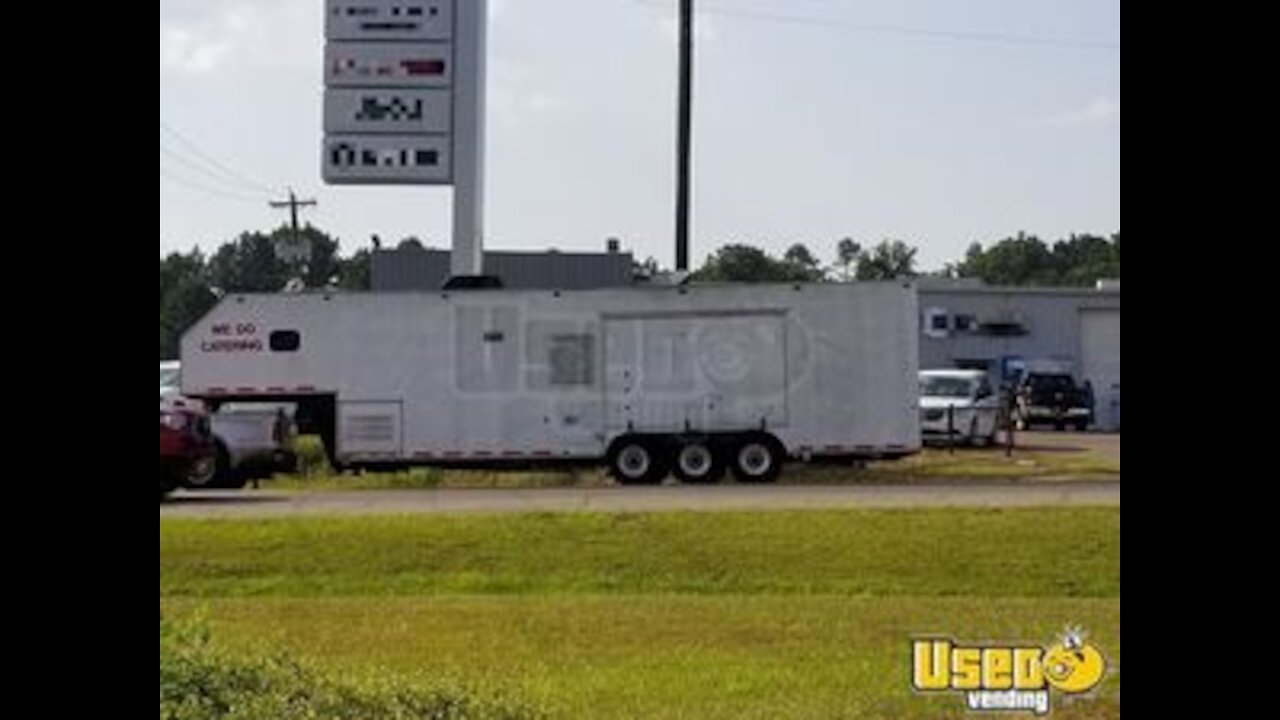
(186, 446)
(250, 440)
(1053, 398)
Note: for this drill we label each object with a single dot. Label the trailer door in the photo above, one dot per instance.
(699, 372)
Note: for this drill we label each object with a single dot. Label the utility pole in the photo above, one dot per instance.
(293, 203)
(685, 139)
(298, 255)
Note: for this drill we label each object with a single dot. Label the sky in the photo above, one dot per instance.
(936, 122)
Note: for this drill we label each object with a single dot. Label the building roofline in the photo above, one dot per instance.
(926, 288)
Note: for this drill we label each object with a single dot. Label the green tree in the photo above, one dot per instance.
(1080, 260)
(250, 263)
(1020, 260)
(889, 260)
(353, 272)
(847, 253)
(185, 295)
(805, 265)
(747, 263)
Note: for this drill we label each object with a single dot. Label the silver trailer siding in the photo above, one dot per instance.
(500, 375)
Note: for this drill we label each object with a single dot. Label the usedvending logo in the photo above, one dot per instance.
(1007, 677)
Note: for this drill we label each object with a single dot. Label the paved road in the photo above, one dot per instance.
(728, 497)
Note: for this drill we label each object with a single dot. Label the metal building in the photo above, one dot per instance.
(412, 267)
(1008, 330)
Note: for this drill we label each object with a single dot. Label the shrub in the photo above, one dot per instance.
(200, 682)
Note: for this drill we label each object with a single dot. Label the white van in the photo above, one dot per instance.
(970, 400)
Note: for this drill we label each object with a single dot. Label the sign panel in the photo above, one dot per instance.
(388, 159)
(375, 20)
(391, 91)
(407, 65)
(388, 111)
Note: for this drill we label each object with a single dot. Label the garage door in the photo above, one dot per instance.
(1100, 362)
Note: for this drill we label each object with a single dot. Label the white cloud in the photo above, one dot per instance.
(203, 38)
(518, 92)
(189, 51)
(1098, 111)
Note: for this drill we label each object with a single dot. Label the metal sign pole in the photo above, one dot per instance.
(471, 21)
(684, 142)
(404, 105)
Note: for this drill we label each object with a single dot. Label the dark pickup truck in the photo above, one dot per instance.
(1053, 399)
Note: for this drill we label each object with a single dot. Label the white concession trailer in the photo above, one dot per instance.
(690, 380)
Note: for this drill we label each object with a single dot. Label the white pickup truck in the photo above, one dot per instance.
(252, 440)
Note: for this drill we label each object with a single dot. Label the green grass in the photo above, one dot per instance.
(659, 656)
(936, 552)
(734, 615)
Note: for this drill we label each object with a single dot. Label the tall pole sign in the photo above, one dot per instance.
(404, 103)
(684, 142)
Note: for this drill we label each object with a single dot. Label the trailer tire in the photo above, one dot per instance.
(698, 462)
(636, 460)
(757, 458)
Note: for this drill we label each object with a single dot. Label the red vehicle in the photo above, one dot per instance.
(186, 445)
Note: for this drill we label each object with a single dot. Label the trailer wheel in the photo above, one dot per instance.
(697, 463)
(637, 461)
(757, 458)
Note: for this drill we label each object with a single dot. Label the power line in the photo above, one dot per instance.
(231, 174)
(205, 171)
(208, 190)
(930, 33)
